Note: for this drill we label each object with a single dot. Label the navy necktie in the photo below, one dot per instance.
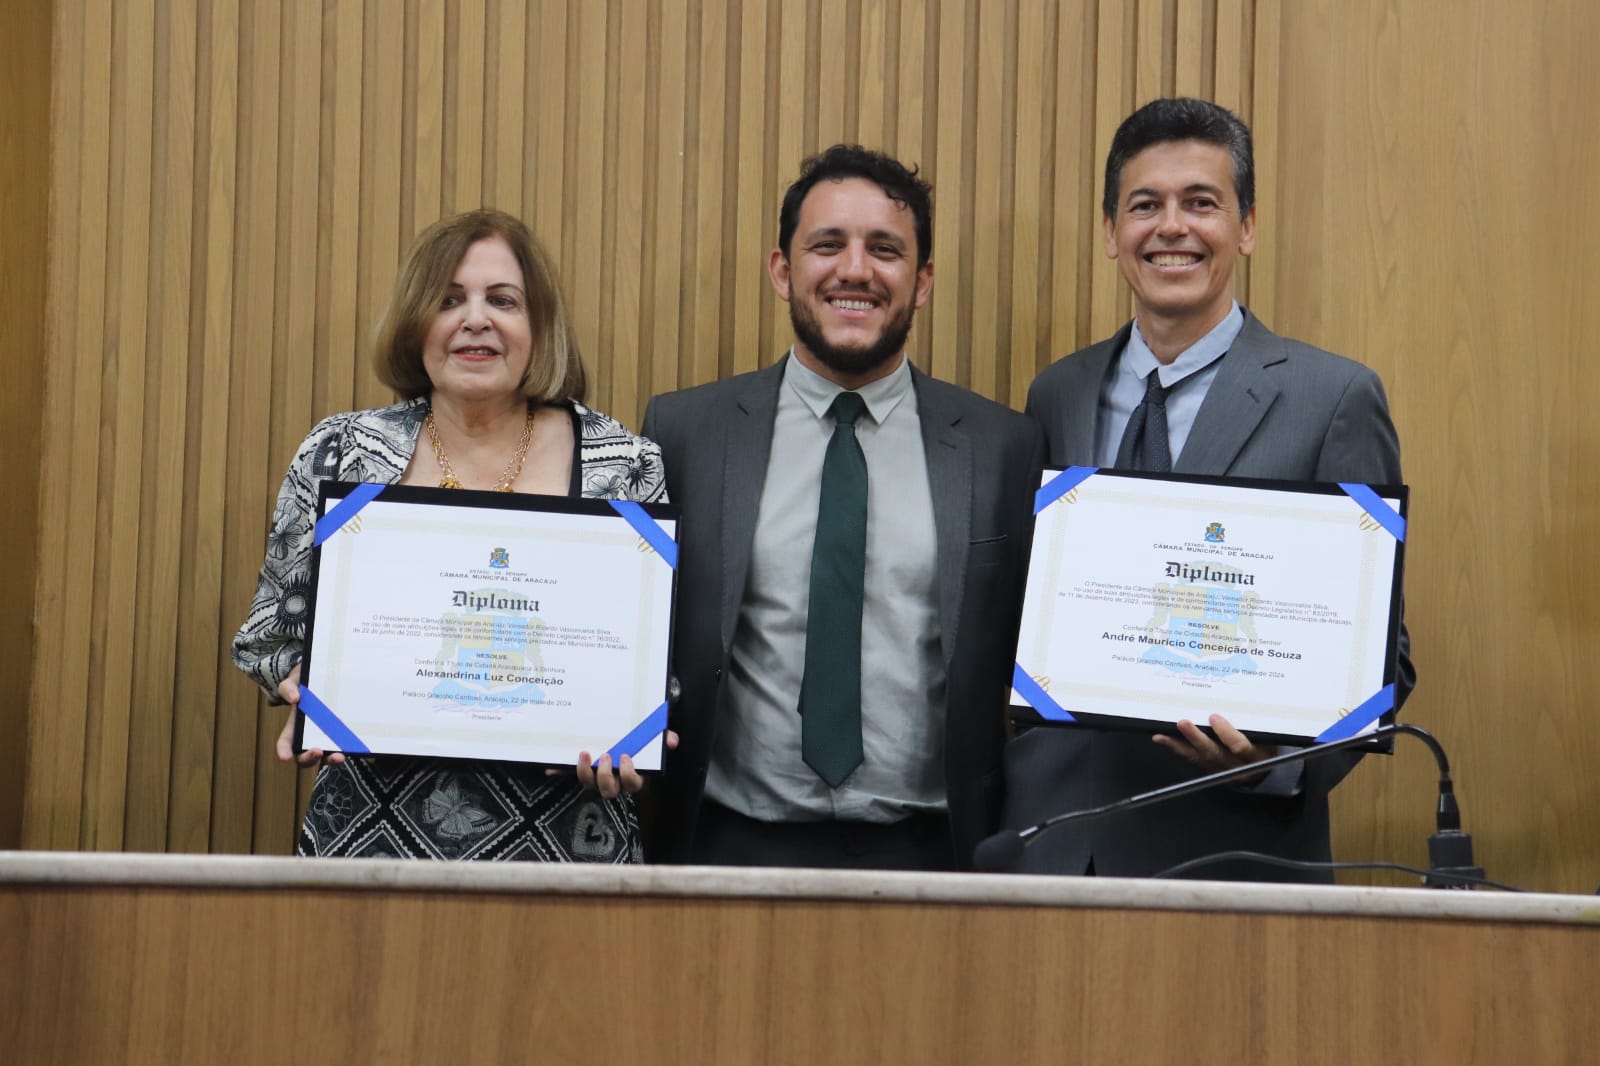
(1144, 443)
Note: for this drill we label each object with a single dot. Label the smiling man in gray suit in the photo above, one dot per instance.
(854, 534)
(1194, 384)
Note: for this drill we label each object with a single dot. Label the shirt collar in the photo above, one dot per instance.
(817, 392)
(1138, 359)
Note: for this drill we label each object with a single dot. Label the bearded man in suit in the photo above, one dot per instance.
(854, 539)
(1194, 384)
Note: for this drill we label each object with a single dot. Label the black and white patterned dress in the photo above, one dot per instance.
(432, 808)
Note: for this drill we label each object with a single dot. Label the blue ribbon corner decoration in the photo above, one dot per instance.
(1060, 485)
(1375, 706)
(1029, 690)
(640, 735)
(649, 529)
(1379, 511)
(344, 510)
(341, 735)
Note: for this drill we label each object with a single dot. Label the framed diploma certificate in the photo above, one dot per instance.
(1155, 598)
(488, 625)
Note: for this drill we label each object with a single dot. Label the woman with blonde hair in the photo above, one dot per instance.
(477, 342)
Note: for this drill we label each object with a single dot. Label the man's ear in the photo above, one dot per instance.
(1109, 226)
(1247, 231)
(778, 271)
(924, 283)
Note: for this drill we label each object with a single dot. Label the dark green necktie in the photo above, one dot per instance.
(830, 692)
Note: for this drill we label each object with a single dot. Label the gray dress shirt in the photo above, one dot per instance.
(756, 767)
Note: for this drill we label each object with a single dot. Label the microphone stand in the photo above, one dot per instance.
(1449, 849)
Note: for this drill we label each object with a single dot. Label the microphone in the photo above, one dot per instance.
(1449, 849)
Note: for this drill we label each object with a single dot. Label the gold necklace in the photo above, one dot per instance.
(508, 478)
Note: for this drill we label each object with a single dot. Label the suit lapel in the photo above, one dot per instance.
(744, 474)
(949, 458)
(1074, 434)
(1237, 401)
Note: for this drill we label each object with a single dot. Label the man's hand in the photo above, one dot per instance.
(1229, 749)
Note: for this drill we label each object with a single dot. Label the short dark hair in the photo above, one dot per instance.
(1182, 119)
(555, 370)
(853, 161)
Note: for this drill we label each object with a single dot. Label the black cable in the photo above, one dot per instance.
(1311, 864)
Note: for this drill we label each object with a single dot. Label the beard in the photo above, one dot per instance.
(853, 360)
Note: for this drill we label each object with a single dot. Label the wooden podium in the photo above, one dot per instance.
(226, 961)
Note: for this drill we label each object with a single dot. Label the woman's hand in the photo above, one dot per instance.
(599, 776)
(289, 689)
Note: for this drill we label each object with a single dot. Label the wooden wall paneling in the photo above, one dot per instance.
(147, 807)
(913, 124)
(703, 245)
(835, 69)
(432, 118)
(1073, 237)
(625, 394)
(123, 388)
(1029, 268)
(1494, 109)
(249, 806)
(547, 67)
(1113, 100)
(215, 700)
(386, 227)
(46, 760)
(666, 196)
(508, 104)
(28, 176)
(1258, 31)
(1151, 52)
(54, 804)
(874, 75)
(1189, 75)
(942, 314)
(464, 165)
(343, 74)
(796, 94)
(295, 358)
(986, 296)
(750, 238)
(583, 271)
(1228, 48)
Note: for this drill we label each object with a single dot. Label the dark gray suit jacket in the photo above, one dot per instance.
(983, 466)
(1276, 409)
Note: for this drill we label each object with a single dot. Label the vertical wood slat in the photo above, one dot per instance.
(946, 170)
(122, 393)
(667, 369)
(751, 241)
(991, 217)
(254, 814)
(209, 692)
(150, 749)
(1019, 344)
(433, 117)
(510, 105)
(52, 762)
(30, 61)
